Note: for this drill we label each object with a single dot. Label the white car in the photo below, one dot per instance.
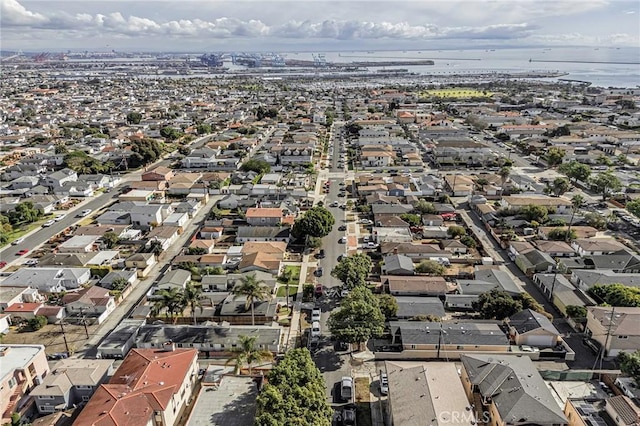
(315, 315)
(346, 388)
(48, 223)
(59, 218)
(384, 384)
(31, 262)
(342, 240)
(17, 241)
(366, 221)
(85, 212)
(315, 329)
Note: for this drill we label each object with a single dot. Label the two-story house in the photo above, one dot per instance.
(72, 382)
(264, 216)
(616, 327)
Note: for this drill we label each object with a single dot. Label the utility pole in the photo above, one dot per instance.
(606, 340)
(64, 336)
(84, 323)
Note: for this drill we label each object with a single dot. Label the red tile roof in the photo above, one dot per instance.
(144, 383)
(23, 307)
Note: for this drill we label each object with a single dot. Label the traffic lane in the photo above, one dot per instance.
(332, 247)
(42, 235)
(333, 366)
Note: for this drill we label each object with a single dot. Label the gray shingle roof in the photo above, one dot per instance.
(528, 320)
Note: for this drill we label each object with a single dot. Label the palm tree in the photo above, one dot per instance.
(247, 353)
(577, 201)
(504, 173)
(192, 295)
(253, 289)
(171, 299)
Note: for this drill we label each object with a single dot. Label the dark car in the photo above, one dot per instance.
(318, 272)
(349, 416)
(319, 290)
(320, 254)
(342, 228)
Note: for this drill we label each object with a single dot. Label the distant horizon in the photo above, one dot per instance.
(133, 50)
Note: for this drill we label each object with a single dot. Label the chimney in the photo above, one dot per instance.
(395, 250)
(169, 346)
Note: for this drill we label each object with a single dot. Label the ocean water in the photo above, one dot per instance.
(603, 67)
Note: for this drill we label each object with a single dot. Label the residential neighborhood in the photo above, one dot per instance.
(197, 251)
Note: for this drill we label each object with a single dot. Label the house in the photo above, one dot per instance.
(22, 368)
(596, 246)
(147, 216)
(533, 261)
(10, 295)
(260, 261)
(414, 251)
(94, 303)
(49, 279)
(584, 279)
(616, 327)
(398, 264)
(555, 248)
(460, 302)
(151, 386)
(72, 382)
(499, 277)
(426, 393)
(262, 233)
(529, 327)
(59, 178)
(410, 307)
(79, 244)
(417, 285)
(24, 311)
(447, 340)
(159, 173)
(622, 410)
(261, 216)
(580, 231)
(118, 343)
(234, 310)
(142, 262)
(166, 235)
(128, 275)
(510, 390)
(560, 205)
(209, 339)
(175, 278)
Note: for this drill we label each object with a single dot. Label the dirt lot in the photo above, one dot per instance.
(51, 336)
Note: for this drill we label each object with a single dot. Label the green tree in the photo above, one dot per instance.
(630, 364)
(496, 304)
(456, 231)
(24, 213)
(560, 234)
(246, 353)
(170, 133)
(171, 299)
(596, 220)
(37, 322)
(134, 117)
(196, 250)
(559, 186)
(578, 313)
(110, 239)
(411, 219)
(616, 294)
(258, 166)
(634, 207)
(359, 317)
(203, 129)
(430, 267)
(534, 212)
(504, 174)
(119, 284)
(388, 305)
(468, 241)
(253, 290)
(575, 171)
(316, 222)
(424, 207)
(294, 394)
(353, 270)
(192, 299)
(605, 184)
(554, 156)
(481, 183)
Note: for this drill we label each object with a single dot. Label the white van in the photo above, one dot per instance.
(315, 329)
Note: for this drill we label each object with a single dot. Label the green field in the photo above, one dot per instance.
(455, 92)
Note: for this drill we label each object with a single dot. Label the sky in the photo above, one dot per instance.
(264, 25)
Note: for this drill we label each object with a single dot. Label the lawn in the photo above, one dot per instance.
(455, 92)
(25, 229)
(363, 406)
(282, 290)
(291, 271)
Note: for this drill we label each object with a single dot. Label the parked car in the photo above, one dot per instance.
(320, 254)
(343, 240)
(3, 263)
(318, 272)
(31, 262)
(349, 416)
(48, 223)
(17, 241)
(342, 228)
(22, 252)
(59, 218)
(334, 204)
(85, 212)
(315, 329)
(315, 315)
(384, 383)
(319, 290)
(346, 388)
